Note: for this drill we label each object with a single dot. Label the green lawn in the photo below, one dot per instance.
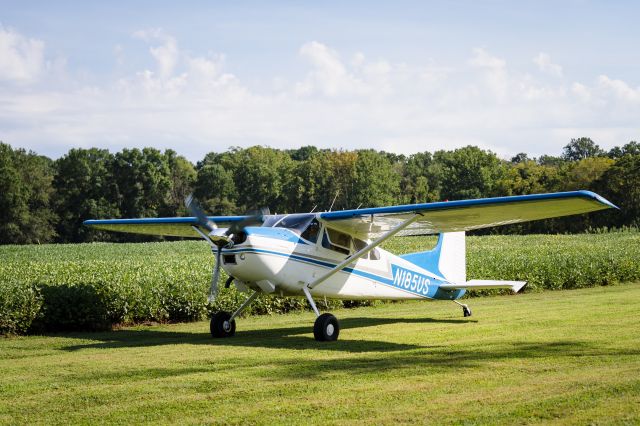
(554, 357)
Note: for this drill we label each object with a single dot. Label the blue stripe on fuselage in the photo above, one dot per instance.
(403, 279)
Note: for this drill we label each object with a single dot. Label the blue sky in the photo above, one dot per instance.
(403, 76)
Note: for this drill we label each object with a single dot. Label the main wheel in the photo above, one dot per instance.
(326, 328)
(220, 325)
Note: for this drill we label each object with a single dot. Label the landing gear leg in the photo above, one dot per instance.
(466, 311)
(326, 328)
(223, 324)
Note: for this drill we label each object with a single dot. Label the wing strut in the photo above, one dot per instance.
(349, 260)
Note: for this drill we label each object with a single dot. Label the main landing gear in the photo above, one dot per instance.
(466, 311)
(326, 328)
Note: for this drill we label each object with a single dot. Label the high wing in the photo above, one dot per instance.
(463, 215)
(168, 226)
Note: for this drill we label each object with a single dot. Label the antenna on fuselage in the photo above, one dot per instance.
(334, 199)
(314, 207)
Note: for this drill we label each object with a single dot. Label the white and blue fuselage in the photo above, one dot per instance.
(281, 262)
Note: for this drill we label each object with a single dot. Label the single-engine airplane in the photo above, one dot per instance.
(335, 254)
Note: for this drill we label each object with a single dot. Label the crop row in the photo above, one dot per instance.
(95, 286)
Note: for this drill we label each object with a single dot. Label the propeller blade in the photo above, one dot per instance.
(215, 276)
(194, 208)
(254, 217)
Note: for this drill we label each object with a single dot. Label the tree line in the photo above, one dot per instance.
(44, 200)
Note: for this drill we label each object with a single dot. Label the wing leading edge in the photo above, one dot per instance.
(464, 215)
(168, 226)
(368, 223)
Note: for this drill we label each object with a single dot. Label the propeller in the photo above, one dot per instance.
(219, 239)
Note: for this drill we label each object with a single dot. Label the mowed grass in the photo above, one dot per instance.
(568, 357)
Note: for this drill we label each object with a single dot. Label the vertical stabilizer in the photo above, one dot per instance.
(447, 259)
(453, 257)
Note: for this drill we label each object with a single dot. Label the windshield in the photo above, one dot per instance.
(272, 219)
(296, 222)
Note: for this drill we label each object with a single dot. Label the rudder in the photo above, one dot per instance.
(447, 258)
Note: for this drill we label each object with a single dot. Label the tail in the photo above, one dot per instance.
(448, 259)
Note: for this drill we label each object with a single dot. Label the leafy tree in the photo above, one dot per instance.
(415, 187)
(341, 169)
(182, 178)
(306, 189)
(261, 178)
(529, 177)
(550, 160)
(216, 189)
(84, 189)
(470, 172)
(143, 179)
(376, 181)
(582, 174)
(620, 184)
(303, 153)
(581, 148)
(632, 148)
(25, 191)
(520, 158)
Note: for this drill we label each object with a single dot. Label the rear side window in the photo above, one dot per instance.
(335, 240)
(359, 245)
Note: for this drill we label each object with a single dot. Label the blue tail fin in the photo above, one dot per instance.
(447, 259)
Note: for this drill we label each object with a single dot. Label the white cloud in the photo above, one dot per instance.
(619, 88)
(495, 72)
(543, 61)
(166, 54)
(481, 58)
(581, 91)
(21, 58)
(194, 104)
(329, 75)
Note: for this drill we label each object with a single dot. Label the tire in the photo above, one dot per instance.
(466, 311)
(326, 328)
(218, 327)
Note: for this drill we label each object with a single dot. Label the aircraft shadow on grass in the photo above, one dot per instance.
(368, 356)
(275, 338)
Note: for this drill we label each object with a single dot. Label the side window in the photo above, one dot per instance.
(311, 233)
(337, 241)
(359, 245)
(374, 254)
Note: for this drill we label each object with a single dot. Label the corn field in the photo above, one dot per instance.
(96, 286)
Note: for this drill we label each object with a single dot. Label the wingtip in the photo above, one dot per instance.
(599, 198)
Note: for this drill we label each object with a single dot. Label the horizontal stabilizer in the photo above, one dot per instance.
(516, 286)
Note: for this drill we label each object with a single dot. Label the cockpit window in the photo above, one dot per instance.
(296, 222)
(312, 231)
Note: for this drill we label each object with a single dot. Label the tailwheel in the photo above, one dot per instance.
(326, 328)
(222, 325)
(466, 311)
